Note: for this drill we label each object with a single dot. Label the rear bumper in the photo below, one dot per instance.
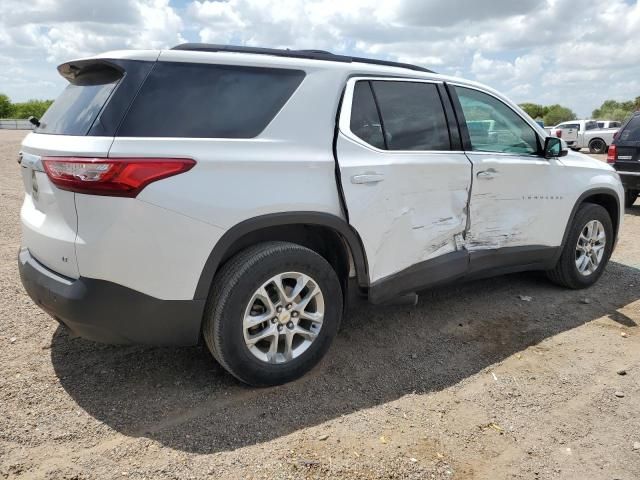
(630, 181)
(110, 313)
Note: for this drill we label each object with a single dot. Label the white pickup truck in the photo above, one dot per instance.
(585, 134)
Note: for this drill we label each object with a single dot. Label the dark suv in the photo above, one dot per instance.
(624, 154)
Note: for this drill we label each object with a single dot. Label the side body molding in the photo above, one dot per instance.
(320, 219)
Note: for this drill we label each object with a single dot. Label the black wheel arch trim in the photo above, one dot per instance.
(589, 193)
(235, 233)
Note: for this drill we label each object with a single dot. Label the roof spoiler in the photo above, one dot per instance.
(90, 72)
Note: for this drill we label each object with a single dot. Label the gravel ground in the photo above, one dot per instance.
(474, 382)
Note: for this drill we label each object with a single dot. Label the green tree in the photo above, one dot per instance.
(534, 110)
(35, 108)
(613, 110)
(557, 114)
(6, 108)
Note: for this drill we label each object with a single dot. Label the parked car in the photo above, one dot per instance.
(624, 154)
(584, 134)
(609, 124)
(236, 194)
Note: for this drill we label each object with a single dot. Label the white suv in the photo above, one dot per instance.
(231, 193)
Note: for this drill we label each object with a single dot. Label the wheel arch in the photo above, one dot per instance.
(327, 234)
(606, 198)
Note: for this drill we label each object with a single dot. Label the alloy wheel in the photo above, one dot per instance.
(284, 317)
(590, 247)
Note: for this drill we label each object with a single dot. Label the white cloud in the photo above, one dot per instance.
(546, 51)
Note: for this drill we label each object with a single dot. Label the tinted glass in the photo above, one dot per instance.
(495, 127)
(591, 125)
(365, 121)
(412, 115)
(631, 132)
(207, 101)
(567, 126)
(75, 110)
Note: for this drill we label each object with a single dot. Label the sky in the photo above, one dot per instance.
(574, 52)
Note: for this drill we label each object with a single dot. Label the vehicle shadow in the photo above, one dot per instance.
(633, 210)
(181, 398)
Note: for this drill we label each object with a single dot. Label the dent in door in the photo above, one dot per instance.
(425, 218)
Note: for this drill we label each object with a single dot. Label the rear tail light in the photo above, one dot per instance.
(612, 154)
(119, 177)
(559, 133)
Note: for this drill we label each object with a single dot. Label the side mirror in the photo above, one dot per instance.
(555, 147)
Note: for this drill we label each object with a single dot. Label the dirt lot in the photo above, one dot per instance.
(474, 382)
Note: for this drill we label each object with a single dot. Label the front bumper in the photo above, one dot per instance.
(107, 312)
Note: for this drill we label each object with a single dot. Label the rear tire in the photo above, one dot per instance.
(597, 145)
(630, 197)
(258, 283)
(567, 271)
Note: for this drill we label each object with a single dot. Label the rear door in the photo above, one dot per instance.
(48, 214)
(405, 180)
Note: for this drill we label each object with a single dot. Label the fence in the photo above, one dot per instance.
(15, 124)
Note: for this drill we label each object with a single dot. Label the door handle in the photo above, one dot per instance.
(367, 178)
(488, 174)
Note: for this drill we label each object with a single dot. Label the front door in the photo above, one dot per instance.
(406, 191)
(516, 198)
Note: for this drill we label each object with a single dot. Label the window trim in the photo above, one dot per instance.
(462, 122)
(344, 123)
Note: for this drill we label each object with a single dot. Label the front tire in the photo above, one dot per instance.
(272, 313)
(587, 249)
(597, 145)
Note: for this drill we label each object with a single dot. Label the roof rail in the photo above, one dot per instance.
(306, 54)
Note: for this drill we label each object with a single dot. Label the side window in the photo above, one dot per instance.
(493, 126)
(614, 124)
(600, 124)
(591, 125)
(365, 121)
(412, 115)
(208, 101)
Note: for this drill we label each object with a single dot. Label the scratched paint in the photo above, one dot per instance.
(412, 215)
(527, 202)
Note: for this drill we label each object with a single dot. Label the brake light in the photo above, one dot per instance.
(559, 133)
(612, 154)
(119, 177)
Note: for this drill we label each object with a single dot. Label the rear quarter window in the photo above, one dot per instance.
(208, 101)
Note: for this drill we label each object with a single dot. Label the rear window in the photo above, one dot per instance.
(208, 101)
(412, 115)
(75, 110)
(365, 121)
(631, 132)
